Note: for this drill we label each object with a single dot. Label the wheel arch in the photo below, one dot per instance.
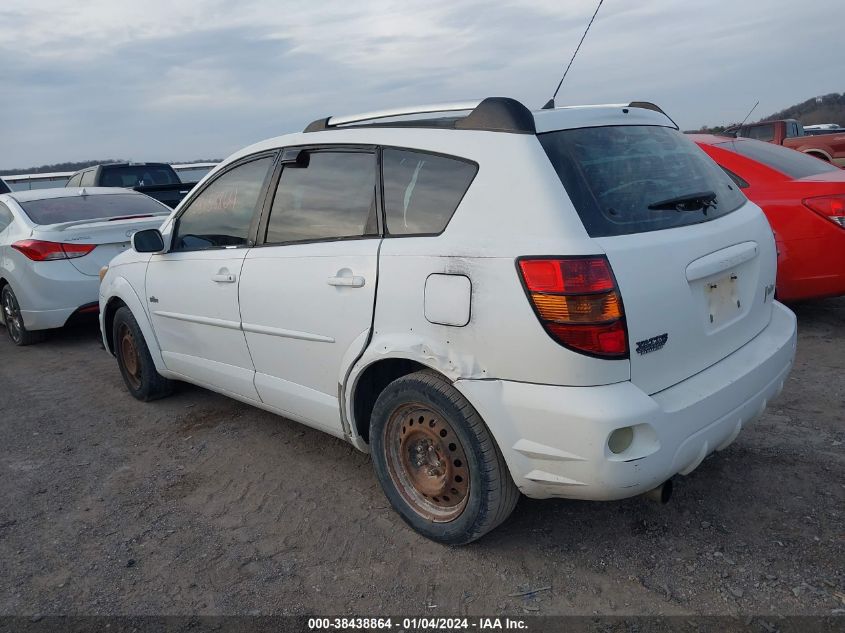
(818, 153)
(3, 283)
(391, 356)
(369, 382)
(121, 293)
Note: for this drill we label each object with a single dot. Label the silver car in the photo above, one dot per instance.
(53, 243)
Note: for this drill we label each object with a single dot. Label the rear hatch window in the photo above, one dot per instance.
(138, 176)
(633, 179)
(76, 208)
(787, 161)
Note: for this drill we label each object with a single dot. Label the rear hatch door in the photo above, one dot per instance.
(694, 260)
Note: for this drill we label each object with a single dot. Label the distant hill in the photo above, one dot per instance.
(74, 166)
(826, 109)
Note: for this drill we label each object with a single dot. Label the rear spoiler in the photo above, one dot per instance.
(63, 226)
(648, 105)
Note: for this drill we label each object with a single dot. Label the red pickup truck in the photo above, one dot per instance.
(790, 133)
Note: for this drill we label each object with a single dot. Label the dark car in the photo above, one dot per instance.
(157, 180)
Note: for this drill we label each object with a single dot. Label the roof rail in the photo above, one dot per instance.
(494, 114)
(648, 105)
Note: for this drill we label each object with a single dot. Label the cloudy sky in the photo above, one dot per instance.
(185, 79)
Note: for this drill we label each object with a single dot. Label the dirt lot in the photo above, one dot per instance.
(200, 504)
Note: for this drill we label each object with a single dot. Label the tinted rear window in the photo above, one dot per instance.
(4, 188)
(422, 191)
(759, 132)
(138, 176)
(613, 174)
(75, 208)
(787, 161)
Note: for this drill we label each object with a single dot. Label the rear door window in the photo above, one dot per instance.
(221, 215)
(614, 174)
(787, 161)
(422, 190)
(330, 196)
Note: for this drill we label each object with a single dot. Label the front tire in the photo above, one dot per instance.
(437, 462)
(133, 357)
(15, 327)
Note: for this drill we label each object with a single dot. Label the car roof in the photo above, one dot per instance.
(410, 133)
(67, 192)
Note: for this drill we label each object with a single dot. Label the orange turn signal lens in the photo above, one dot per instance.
(595, 308)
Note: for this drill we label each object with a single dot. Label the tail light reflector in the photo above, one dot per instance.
(830, 207)
(40, 251)
(578, 303)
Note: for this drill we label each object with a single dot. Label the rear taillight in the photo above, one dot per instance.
(578, 303)
(39, 251)
(830, 207)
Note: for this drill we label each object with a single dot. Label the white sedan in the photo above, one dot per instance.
(53, 243)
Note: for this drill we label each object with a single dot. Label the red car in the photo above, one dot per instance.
(803, 198)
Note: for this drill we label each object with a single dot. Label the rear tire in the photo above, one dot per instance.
(437, 462)
(13, 320)
(133, 357)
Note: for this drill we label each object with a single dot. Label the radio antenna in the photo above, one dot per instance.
(749, 114)
(550, 104)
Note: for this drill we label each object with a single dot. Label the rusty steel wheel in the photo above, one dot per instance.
(427, 462)
(128, 351)
(437, 462)
(133, 357)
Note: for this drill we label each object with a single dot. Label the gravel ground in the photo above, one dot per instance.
(200, 504)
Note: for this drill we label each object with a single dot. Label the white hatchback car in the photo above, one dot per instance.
(574, 302)
(53, 243)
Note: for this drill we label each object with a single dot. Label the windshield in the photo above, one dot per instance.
(91, 207)
(787, 161)
(138, 176)
(614, 174)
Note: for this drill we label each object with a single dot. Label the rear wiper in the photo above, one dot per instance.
(689, 202)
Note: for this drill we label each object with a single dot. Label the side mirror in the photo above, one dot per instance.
(148, 241)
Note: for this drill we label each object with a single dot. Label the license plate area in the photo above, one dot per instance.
(723, 300)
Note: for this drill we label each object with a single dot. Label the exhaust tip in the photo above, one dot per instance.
(661, 493)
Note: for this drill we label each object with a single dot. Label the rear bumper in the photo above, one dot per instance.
(49, 293)
(555, 439)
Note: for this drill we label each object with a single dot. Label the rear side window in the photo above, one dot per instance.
(422, 191)
(222, 213)
(329, 196)
(787, 161)
(4, 188)
(74, 208)
(613, 175)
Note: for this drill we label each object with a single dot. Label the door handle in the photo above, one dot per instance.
(224, 278)
(355, 281)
